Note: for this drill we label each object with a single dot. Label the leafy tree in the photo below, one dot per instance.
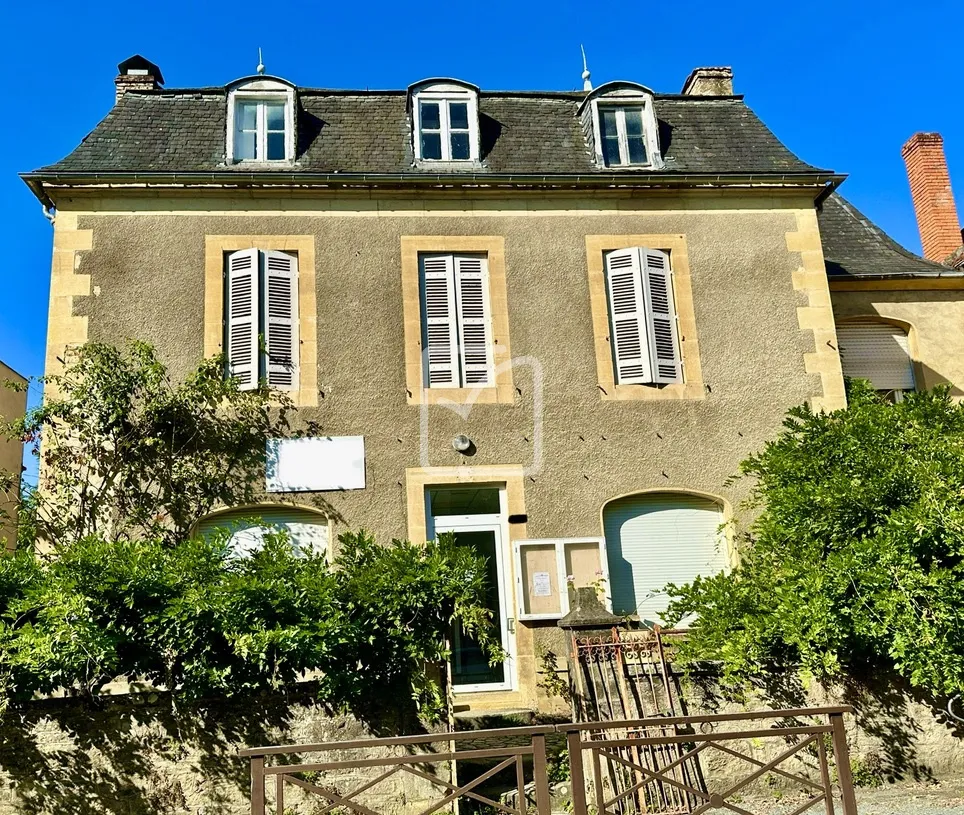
(855, 561)
(125, 451)
(129, 461)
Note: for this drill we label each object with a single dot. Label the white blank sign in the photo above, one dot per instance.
(315, 464)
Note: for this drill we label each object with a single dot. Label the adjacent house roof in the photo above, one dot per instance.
(522, 133)
(854, 246)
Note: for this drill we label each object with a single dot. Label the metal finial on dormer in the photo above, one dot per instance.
(586, 84)
(260, 68)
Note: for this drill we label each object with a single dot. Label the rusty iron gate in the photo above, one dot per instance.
(511, 774)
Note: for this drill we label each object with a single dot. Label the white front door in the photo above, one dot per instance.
(486, 535)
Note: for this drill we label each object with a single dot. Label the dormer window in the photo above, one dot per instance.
(445, 121)
(621, 133)
(260, 133)
(261, 121)
(620, 119)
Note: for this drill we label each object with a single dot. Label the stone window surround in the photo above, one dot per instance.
(675, 246)
(493, 247)
(216, 247)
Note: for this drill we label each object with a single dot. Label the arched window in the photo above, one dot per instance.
(620, 123)
(879, 352)
(261, 120)
(445, 121)
(307, 528)
(657, 538)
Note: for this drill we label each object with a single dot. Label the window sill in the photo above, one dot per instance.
(460, 165)
(491, 394)
(651, 393)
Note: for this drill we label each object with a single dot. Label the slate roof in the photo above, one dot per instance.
(522, 133)
(854, 246)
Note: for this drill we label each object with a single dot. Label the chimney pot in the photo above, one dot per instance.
(930, 189)
(137, 74)
(709, 82)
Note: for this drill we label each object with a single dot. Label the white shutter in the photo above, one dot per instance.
(242, 317)
(661, 317)
(626, 314)
(439, 340)
(878, 352)
(659, 538)
(308, 531)
(475, 330)
(281, 319)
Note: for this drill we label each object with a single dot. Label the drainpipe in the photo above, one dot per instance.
(49, 213)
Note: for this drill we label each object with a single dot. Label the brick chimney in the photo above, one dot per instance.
(137, 74)
(709, 82)
(930, 187)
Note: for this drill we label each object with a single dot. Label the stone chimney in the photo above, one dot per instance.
(930, 187)
(709, 82)
(137, 74)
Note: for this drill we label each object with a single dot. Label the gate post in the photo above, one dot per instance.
(540, 774)
(577, 775)
(257, 785)
(841, 757)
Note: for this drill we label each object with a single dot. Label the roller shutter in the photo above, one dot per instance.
(659, 538)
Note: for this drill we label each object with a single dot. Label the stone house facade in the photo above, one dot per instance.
(552, 323)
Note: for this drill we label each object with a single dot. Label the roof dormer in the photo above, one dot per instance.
(445, 123)
(619, 121)
(261, 121)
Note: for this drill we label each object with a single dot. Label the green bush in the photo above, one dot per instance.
(855, 561)
(199, 621)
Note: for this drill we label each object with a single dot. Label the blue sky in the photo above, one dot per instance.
(842, 83)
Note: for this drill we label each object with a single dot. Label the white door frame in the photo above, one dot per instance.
(498, 524)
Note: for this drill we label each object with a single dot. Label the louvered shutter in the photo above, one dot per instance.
(242, 317)
(659, 538)
(661, 317)
(475, 330)
(878, 352)
(439, 339)
(626, 315)
(281, 319)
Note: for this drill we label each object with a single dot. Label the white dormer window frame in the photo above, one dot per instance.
(262, 92)
(620, 99)
(447, 126)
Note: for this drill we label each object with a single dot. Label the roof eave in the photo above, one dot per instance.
(39, 181)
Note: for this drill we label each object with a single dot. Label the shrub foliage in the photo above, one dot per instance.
(855, 561)
(197, 620)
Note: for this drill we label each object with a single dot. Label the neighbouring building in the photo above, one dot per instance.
(553, 323)
(13, 405)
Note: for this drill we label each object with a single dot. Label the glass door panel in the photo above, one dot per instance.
(470, 666)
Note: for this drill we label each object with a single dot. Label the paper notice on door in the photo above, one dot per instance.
(541, 586)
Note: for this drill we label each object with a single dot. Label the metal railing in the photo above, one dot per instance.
(636, 766)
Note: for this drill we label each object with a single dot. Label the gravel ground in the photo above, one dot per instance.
(946, 798)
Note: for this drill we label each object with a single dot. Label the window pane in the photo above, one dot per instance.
(464, 501)
(637, 150)
(634, 137)
(244, 146)
(459, 115)
(610, 136)
(634, 123)
(247, 115)
(431, 145)
(430, 117)
(460, 145)
(276, 146)
(275, 115)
